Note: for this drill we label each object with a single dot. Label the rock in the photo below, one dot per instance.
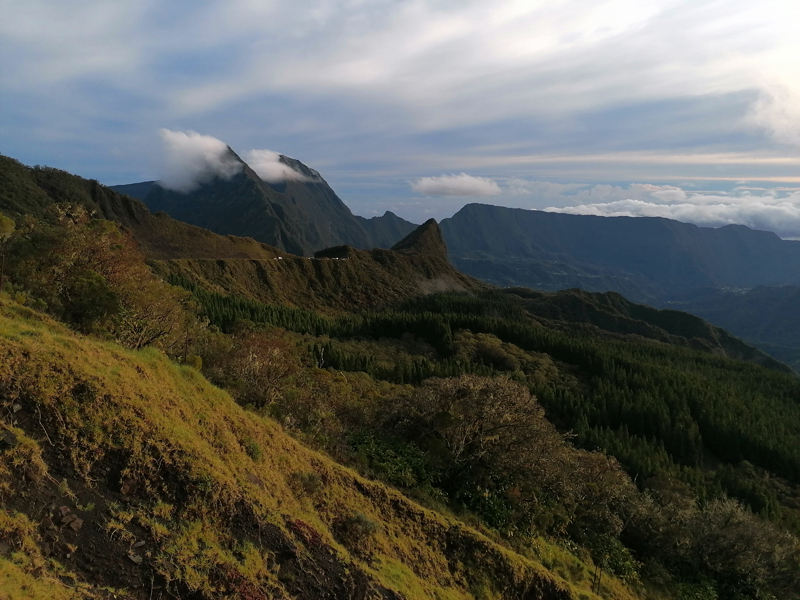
(76, 524)
(135, 558)
(64, 510)
(4, 548)
(128, 486)
(16, 408)
(68, 519)
(139, 544)
(8, 440)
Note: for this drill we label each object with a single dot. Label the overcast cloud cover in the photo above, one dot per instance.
(401, 104)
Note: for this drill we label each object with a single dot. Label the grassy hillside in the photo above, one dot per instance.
(35, 190)
(335, 280)
(176, 491)
(603, 440)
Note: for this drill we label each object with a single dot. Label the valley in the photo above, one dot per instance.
(227, 419)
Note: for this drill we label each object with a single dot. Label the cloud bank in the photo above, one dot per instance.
(770, 212)
(192, 159)
(456, 185)
(267, 165)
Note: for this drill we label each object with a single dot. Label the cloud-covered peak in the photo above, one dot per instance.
(192, 159)
(456, 185)
(272, 167)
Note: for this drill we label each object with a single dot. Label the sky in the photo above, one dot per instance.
(682, 109)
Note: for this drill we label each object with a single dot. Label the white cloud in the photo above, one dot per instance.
(192, 159)
(358, 81)
(456, 185)
(268, 165)
(777, 111)
(769, 212)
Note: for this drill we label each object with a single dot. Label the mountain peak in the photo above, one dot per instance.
(425, 239)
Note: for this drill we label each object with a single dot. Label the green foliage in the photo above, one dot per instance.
(88, 273)
(396, 461)
(6, 227)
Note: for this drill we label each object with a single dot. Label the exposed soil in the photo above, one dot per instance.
(72, 518)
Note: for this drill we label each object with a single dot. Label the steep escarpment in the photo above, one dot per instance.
(300, 214)
(645, 259)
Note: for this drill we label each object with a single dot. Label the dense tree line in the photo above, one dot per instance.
(654, 405)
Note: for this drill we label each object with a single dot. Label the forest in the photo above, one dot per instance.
(664, 464)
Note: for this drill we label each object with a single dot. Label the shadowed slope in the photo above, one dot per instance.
(297, 215)
(425, 239)
(386, 230)
(643, 258)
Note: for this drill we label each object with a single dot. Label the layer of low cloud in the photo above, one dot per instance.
(774, 211)
(268, 166)
(456, 185)
(192, 159)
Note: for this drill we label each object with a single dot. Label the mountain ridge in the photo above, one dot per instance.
(299, 215)
(644, 258)
(354, 353)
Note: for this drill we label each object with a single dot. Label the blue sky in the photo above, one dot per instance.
(689, 110)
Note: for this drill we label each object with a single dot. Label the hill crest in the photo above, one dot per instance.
(426, 239)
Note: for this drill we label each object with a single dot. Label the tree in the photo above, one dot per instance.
(6, 229)
(92, 275)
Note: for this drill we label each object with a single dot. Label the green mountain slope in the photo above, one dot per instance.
(674, 468)
(124, 471)
(766, 317)
(35, 191)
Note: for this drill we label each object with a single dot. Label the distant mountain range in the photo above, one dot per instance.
(646, 259)
(708, 272)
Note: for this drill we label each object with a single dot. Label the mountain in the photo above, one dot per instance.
(163, 442)
(645, 259)
(386, 230)
(135, 190)
(296, 216)
(426, 240)
(300, 215)
(235, 264)
(766, 317)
